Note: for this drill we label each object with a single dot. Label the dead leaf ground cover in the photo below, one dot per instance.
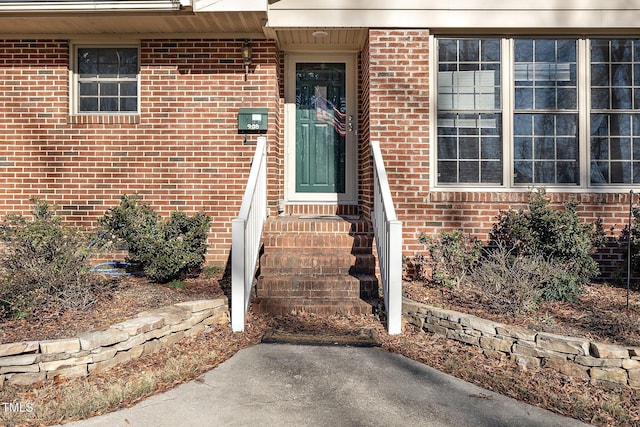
(59, 401)
(599, 314)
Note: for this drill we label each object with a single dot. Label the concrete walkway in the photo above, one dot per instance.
(297, 385)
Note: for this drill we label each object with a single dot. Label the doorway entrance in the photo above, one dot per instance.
(321, 135)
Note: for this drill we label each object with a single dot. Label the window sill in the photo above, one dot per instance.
(528, 189)
(105, 119)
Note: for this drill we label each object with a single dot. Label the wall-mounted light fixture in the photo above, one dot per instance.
(246, 57)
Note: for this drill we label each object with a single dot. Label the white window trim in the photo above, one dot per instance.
(507, 69)
(74, 95)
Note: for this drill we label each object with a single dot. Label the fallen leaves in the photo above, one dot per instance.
(600, 314)
(123, 386)
(129, 296)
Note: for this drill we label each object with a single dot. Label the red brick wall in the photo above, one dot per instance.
(365, 166)
(399, 118)
(398, 110)
(182, 152)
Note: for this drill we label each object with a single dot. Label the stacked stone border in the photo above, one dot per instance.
(29, 362)
(574, 357)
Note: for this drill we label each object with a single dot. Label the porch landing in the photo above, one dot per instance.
(321, 264)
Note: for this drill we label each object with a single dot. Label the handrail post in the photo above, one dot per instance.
(246, 232)
(394, 309)
(237, 275)
(388, 235)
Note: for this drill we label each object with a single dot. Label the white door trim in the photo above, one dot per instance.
(350, 196)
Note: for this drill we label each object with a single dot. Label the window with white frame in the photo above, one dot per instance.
(469, 111)
(509, 112)
(545, 112)
(615, 112)
(106, 80)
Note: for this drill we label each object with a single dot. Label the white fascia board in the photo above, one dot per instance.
(89, 6)
(456, 19)
(230, 5)
(454, 14)
(431, 5)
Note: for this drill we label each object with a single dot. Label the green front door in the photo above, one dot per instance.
(321, 127)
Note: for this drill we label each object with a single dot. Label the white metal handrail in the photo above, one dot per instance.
(388, 234)
(246, 240)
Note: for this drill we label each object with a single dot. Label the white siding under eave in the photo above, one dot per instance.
(229, 5)
(458, 14)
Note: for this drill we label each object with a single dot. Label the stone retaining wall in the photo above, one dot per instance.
(574, 357)
(28, 362)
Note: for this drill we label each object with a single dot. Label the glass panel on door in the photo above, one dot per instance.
(321, 127)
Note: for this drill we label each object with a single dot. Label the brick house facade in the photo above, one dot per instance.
(180, 148)
(182, 151)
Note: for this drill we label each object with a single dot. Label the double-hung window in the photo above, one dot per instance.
(106, 80)
(469, 111)
(545, 112)
(615, 112)
(556, 112)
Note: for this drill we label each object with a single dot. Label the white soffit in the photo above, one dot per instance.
(229, 5)
(455, 14)
(133, 18)
(39, 6)
(317, 39)
(123, 24)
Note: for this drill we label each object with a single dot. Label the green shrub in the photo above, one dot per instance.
(166, 249)
(43, 264)
(452, 256)
(556, 235)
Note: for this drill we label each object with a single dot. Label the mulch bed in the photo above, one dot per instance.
(122, 298)
(600, 314)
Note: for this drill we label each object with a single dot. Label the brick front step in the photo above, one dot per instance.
(330, 263)
(307, 242)
(319, 286)
(325, 307)
(315, 209)
(317, 264)
(317, 224)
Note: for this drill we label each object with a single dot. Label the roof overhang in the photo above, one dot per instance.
(61, 6)
(47, 6)
(456, 15)
(74, 19)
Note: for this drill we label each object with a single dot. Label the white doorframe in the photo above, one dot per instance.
(351, 139)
